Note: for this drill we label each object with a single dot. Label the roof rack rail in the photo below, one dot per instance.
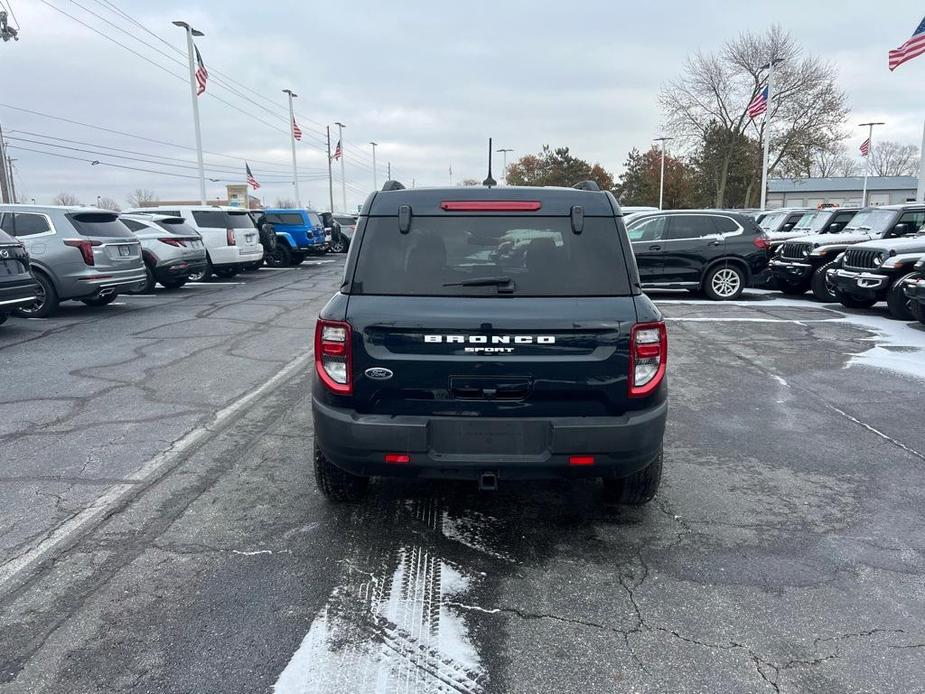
(588, 185)
(392, 185)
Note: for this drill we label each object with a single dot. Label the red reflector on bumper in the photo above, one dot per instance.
(397, 458)
(581, 460)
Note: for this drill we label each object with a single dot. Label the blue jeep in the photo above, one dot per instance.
(298, 232)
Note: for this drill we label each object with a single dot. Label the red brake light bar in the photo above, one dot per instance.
(491, 205)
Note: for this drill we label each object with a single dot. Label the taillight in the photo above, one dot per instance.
(173, 242)
(648, 358)
(332, 355)
(229, 237)
(762, 242)
(85, 246)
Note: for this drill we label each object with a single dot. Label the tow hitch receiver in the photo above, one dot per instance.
(488, 482)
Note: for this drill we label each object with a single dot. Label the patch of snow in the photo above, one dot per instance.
(898, 347)
(780, 380)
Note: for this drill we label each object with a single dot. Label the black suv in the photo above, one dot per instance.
(713, 251)
(915, 292)
(803, 263)
(486, 334)
(17, 286)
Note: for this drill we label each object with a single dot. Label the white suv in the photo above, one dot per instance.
(232, 241)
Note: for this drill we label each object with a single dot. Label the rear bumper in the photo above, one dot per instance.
(105, 281)
(866, 285)
(791, 270)
(358, 444)
(174, 269)
(223, 256)
(18, 294)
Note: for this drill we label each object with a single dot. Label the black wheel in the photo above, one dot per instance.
(203, 274)
(100, 300)
(3, 317)
(339, 244)
(173, 284)
(918, 311)
(797, 289)
(336, 484)
(849, 301)
(280, 256)
(823, 290)
(297, 259)
(724, 283)
(46, 302)
(640, 487)
(150, 282)
(897, 301)
(225, 273)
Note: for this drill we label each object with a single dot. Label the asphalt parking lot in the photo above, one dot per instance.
(160, 529)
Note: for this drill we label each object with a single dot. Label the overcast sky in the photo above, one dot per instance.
(430, 82)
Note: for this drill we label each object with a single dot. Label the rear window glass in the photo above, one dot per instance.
(102, 224)
(314, 219)
(541, 256)
(178, 227)
(288, 218)
(346, 221)
(219, 219)
(133, 225)
(725, 225)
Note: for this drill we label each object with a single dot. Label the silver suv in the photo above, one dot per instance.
(172, 250)
(77, 253)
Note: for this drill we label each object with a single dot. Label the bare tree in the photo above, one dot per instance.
(140, 196)
(820, 162)
(893, 159)
(714, 90)
(67, 199)
(285, 203)
(108, 204)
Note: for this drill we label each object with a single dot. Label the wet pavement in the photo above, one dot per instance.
(784, 553)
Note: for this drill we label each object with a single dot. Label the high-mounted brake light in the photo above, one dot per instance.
(648, 358)
(491, 205)
(85, 246)
(333, 355)
(229, 236)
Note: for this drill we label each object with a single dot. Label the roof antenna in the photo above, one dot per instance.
(489, 181)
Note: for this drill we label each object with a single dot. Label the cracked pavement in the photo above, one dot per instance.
(784, 553)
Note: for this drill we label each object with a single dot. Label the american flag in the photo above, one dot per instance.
(296, 130)
(912, 48)
(251, 181)
(338, 151)
(758, 105)
(865, 147)
(202, 75)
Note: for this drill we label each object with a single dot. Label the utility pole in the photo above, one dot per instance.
(191, 51)
(10, 161)
(767, 129)
(870, 153)
(661, 183)
(295, 168)
(504, 158)
(390, 171)
(343, 153)
(375, 183)
(920, 192)
(4, 183)
(330, 174)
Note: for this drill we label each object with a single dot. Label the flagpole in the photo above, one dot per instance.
(375, 182)
(767, 132)
(190, 50)
(330, 174)
(343, 152)
(920, 191)
(295, 168)
(870, 151)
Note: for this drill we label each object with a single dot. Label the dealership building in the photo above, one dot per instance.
(840, 190)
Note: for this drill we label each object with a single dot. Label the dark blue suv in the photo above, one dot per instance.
(298, 233)
(490, 334)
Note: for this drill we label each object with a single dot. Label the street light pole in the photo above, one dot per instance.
(504, 152)
(343, 153)
(870, 153)
(767, 129)
(190, 33)
(661, 181)
(375, 182)
(295, 169)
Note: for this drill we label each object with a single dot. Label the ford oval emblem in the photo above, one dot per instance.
(379, 373)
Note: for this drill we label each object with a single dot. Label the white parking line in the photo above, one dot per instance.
(212, 284)
(116, 495)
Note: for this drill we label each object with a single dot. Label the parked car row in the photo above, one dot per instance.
(50, 254)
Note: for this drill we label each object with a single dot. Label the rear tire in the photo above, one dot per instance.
(335, 484)
(225, 273)
(798, 289)
(640, 487)
(150, 282)
(725, 282)
(203, 275)
(280, 256)
(47, 302)
(849, 301)
(100, 300)
(339, 245)
(297, 259)
(897, 301)
(918, 311)
(822, 288)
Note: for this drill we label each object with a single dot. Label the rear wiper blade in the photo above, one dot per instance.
(504, 284)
